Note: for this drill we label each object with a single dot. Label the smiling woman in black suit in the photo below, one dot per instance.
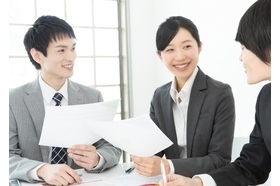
(254, 163)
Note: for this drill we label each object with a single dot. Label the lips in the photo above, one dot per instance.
(181, 66)
(68, 66)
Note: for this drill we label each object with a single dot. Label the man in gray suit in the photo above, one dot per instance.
(50, 45)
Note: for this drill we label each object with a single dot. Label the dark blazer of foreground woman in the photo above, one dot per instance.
(210, 125)
(254, 164)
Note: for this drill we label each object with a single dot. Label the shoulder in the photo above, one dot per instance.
(264, 97)
(163, 88)
(205, 82)
(266, 89)
(218, 90)
(23, 89)
(217, 84)
(83, 88)
(86, 93)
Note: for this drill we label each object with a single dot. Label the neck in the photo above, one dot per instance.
(55, 83)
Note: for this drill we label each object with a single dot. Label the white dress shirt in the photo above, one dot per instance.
(180, 109)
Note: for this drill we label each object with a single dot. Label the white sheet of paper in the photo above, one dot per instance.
(138, 136)
(133, 179)
(63, 126)
(113, 177)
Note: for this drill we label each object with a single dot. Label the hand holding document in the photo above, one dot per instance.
(63, 126)
(86, 124)
(138, 136)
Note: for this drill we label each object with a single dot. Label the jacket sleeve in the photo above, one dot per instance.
(254, 163)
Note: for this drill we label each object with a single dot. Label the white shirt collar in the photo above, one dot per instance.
(48, 92)
(186, 90)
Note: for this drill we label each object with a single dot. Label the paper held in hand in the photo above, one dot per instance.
(87, 123)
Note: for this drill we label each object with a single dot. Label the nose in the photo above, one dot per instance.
(71, 55)
(180, 55)
(240, 56)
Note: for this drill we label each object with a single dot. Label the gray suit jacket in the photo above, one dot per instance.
(210, 125)
(26, 117)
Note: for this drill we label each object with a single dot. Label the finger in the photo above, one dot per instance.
(78, 152)
(78, 157)
(142, 171)
(84, 165)
(84, 162)
(142, 165)
(161, 183)
(84, 147)
(61, 180)
(136, 159)
(68, 177)
(74, 177)
(83, 153)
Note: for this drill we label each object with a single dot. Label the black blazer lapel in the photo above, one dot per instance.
(195, 105)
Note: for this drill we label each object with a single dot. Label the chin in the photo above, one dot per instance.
(69, 75)
(251, 82)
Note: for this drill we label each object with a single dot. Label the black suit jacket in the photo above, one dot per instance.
(210, 125)
(254, 164)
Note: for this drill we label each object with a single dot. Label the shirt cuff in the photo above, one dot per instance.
(32, 174)
(206, 179)
(100, 163)
(172, 170)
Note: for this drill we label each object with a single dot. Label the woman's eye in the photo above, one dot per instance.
(169, 50)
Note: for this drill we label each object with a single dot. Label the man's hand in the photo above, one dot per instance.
(84, 155)
(58, 174)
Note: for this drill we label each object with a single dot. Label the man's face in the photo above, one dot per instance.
(60, 59)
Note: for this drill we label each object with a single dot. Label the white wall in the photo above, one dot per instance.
(217, 22)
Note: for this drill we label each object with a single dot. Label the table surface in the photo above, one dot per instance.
(115, 176)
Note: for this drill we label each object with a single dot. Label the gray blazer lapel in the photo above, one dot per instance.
(35, 105)
(74, 97)
(195, 104)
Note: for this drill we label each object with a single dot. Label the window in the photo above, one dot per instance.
(100, 41)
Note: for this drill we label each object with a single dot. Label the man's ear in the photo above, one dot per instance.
(159, 55)
(36, 55)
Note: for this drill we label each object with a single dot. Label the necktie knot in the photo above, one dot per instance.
(57, 98)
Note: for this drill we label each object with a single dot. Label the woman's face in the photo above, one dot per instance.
(255, 69)
(181, 55)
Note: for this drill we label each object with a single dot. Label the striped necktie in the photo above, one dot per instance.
(59, 155)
